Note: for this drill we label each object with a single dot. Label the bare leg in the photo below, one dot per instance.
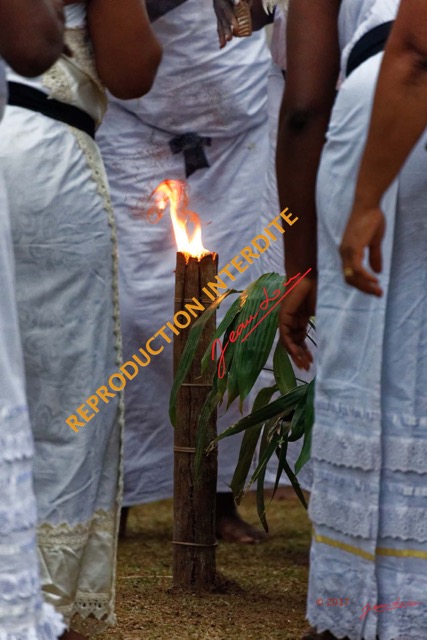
(123, 522)
(229, 525)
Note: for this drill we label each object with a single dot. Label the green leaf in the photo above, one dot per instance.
(222, 327)
(260, 502)
(189, 351)
(267, 450)
(298, 419)
(254, 331)
(304, 456)
(281, 452)
(249, 444)
(296, 485)
(273, 410)
(283, 370)
(265, 457)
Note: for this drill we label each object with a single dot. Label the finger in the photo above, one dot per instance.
(221, 35)
(229, 21)
(226, 27)
(364, 281)
(355, 274)
(302, 359)
(297, 350)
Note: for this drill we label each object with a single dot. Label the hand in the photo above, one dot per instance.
(365, 229)
(226, 20)
(295, 311)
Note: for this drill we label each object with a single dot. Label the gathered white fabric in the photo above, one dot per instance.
(369, 498)
(23, 614)
(215, 93)
(67, 293)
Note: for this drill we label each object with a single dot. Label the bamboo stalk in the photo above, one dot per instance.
(194, 549)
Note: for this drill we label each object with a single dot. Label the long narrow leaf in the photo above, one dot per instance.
(272, 410)
(255, 329)
(304, 456)
(260, 501)
(249, 443)
(281, 454)
(298, 419)
(283, 370)
(265, 457)
(296, 485)
(189, 352)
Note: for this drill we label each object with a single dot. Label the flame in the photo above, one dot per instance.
(174, 193)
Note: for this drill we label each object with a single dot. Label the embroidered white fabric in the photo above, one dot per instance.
(23, 614)
(369, 438)
(79, 488)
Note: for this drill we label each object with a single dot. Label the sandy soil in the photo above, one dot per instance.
(266, 598)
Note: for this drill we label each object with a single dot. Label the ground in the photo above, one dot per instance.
(266, 602)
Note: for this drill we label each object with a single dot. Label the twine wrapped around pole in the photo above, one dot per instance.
(194, 542)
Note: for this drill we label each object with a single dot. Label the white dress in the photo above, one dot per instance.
(23, 614)
(217, 94)
(66, 267)
(369, 498)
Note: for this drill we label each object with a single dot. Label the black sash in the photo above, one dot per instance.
(158, 8)
(191, 145)
(21, 95)
(369, 45)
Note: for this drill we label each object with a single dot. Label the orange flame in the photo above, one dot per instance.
(174, 193)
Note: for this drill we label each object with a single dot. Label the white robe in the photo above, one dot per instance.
(66, 266)
(23, 613)
(369, 498)
(219, 94)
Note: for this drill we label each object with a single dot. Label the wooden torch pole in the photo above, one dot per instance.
(194, 543)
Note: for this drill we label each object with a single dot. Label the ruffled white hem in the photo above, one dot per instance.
(49, 626)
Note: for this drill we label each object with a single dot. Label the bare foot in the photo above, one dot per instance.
(234, 529)
(72, 635)
(230, 526)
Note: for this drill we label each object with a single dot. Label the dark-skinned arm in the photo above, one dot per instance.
(399, 118)
(31, 34)
(127, 52)
(311, 77)
(312, 73)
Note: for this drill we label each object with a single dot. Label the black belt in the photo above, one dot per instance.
(21, 95)
(369, 45)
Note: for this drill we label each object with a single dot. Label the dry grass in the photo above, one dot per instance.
(269, 581)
